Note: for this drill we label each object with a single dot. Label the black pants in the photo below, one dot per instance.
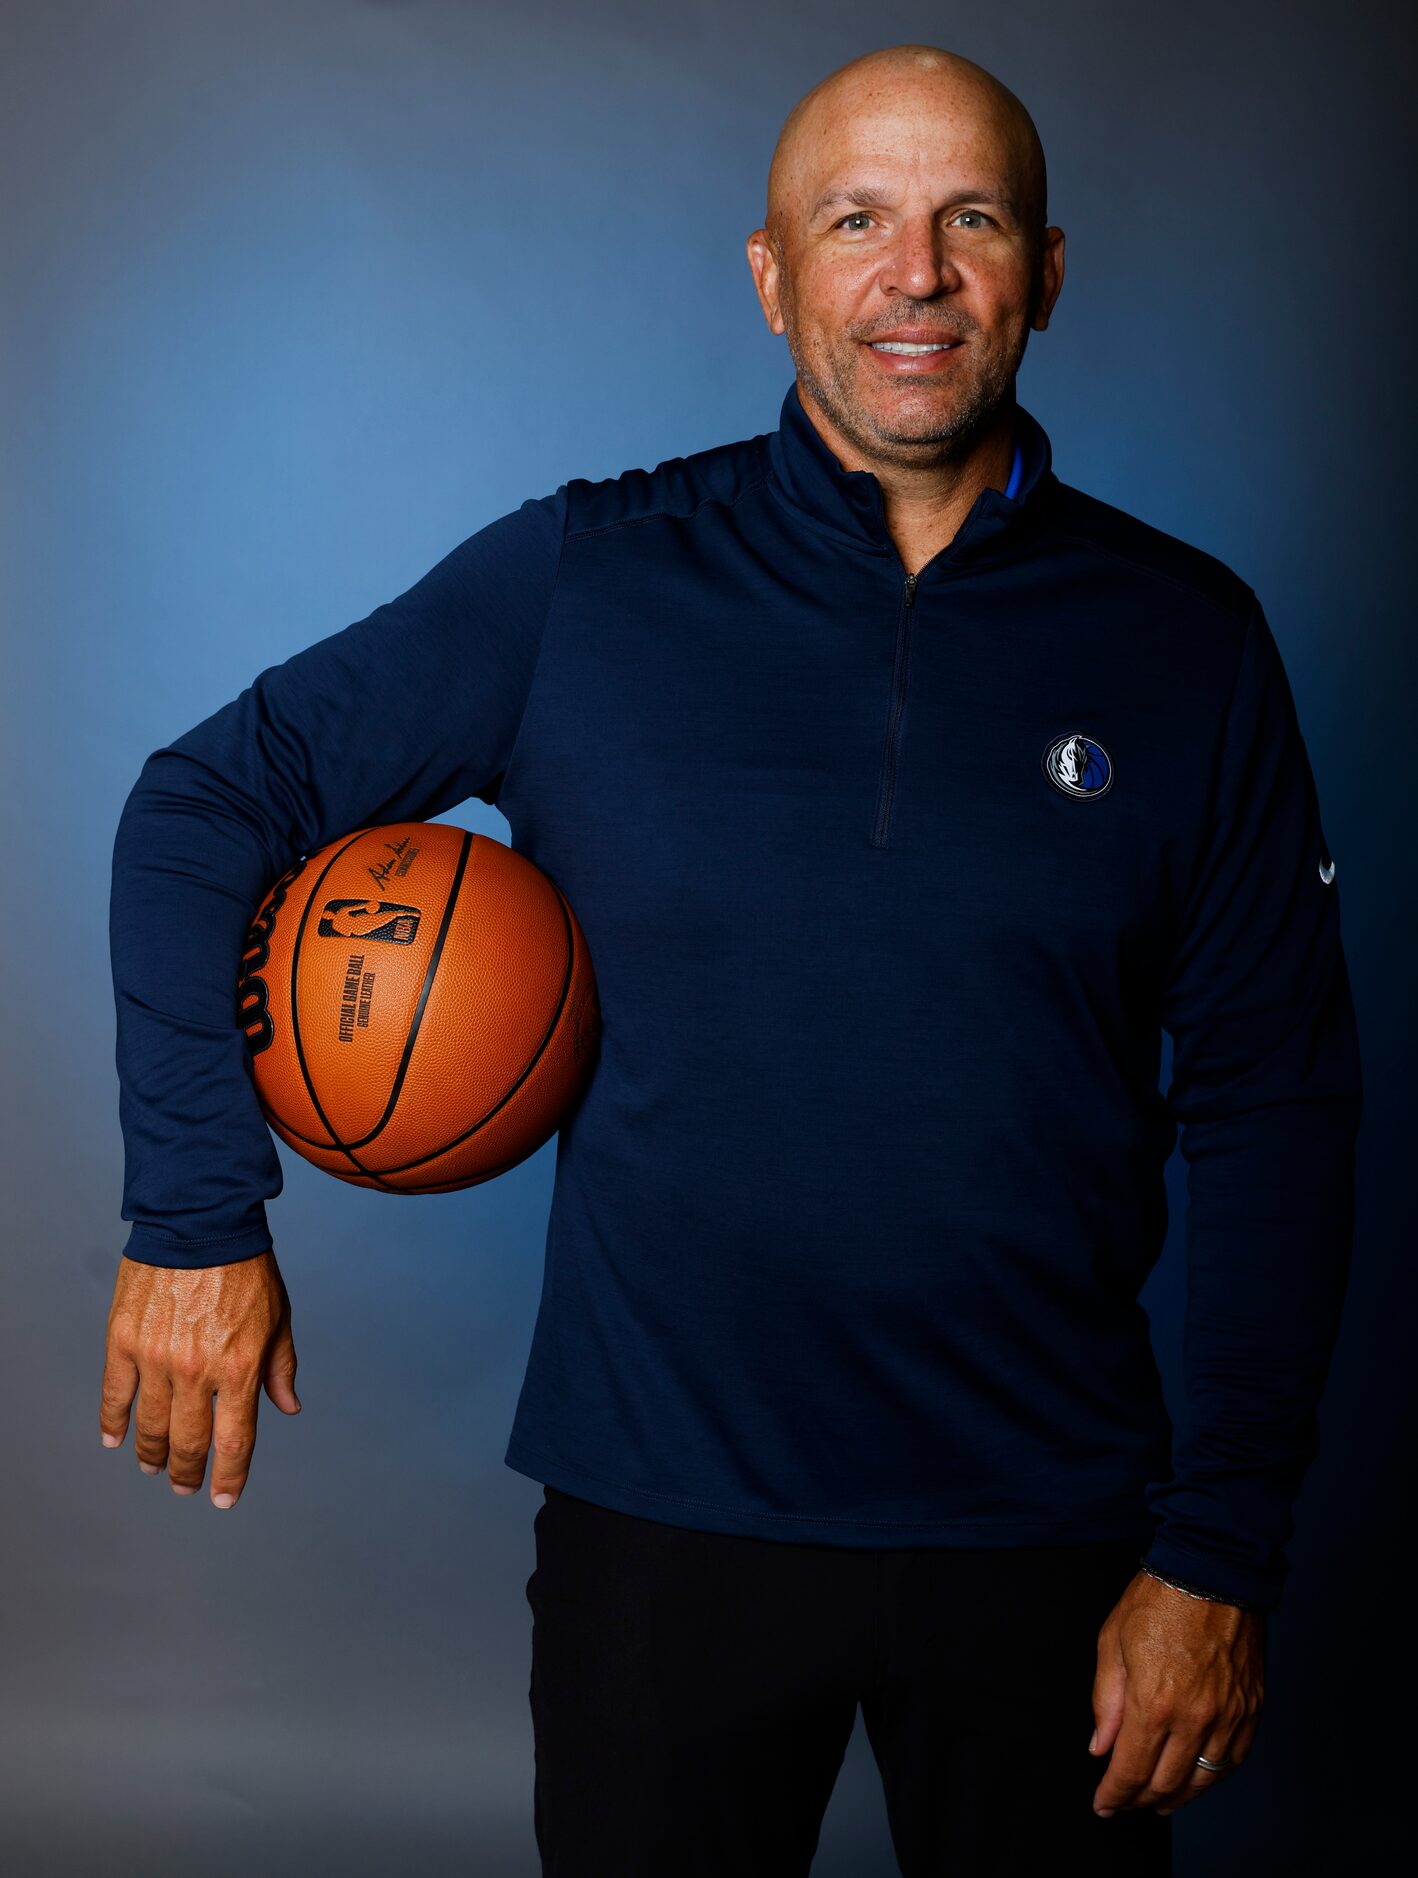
(693, 1694)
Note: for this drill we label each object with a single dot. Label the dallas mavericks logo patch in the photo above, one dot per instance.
(1079, 765)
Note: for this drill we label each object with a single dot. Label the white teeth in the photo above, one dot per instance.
(899, 345)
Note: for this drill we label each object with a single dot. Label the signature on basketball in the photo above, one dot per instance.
(384, 870)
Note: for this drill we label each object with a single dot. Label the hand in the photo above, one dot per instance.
(178, 1337)
(1177, 1676)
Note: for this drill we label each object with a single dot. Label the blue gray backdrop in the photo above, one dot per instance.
(299, 293)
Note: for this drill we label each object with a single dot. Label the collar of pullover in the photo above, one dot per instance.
(849, 505)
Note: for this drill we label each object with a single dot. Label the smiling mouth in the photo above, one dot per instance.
(913, 358)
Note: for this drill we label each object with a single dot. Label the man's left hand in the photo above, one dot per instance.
(1177, 1676)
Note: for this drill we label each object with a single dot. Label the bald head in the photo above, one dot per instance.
(942, 92)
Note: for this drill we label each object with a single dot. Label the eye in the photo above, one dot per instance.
(859, 215)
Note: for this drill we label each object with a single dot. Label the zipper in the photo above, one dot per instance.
(886, 789)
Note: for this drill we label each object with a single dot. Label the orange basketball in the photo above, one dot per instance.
(420, 1008)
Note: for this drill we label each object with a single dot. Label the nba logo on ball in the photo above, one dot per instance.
(384, 920)
(1078, 765)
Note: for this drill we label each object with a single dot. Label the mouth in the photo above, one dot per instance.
(913, 356)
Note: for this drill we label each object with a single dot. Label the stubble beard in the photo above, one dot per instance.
(964, 416)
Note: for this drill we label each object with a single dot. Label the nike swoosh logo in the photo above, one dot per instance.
(1327, 877)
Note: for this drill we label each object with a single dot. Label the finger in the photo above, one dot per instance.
(1216, 1747)
(120, 1385)
(190, 1433)
(279, 1373)
(1176, 1771)
(233, 1440)
(1140, 1741)
(150, 1418)
(1202, 1782)
(1109, 1696)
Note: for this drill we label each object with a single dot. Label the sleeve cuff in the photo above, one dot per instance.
(147, 1246)
(1220, 1577)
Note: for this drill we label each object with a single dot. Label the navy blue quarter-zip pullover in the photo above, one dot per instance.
(891, 883)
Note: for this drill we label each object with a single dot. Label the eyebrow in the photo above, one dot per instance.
(870, 196)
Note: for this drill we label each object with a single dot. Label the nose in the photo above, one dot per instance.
(919, 263)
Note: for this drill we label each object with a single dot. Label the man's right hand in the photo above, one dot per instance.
(178, 1337)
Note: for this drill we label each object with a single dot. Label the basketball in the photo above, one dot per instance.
(419, 1006)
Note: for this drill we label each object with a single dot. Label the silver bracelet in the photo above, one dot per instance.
(1195, 1591)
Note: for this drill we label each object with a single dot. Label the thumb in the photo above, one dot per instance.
(279, 1374)
(1109, 1686)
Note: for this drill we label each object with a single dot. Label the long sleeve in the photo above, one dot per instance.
(1267, 1090)
(400, 716)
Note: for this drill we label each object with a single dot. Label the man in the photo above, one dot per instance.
(904, 794)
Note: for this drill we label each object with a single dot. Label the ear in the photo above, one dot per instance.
(1050, 278)
(763, 263)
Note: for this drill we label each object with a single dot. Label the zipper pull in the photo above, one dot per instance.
(910, 590)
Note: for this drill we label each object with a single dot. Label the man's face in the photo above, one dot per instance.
(904, 216)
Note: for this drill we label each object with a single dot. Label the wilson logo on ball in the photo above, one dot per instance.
(252, 994)
(369, 919)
